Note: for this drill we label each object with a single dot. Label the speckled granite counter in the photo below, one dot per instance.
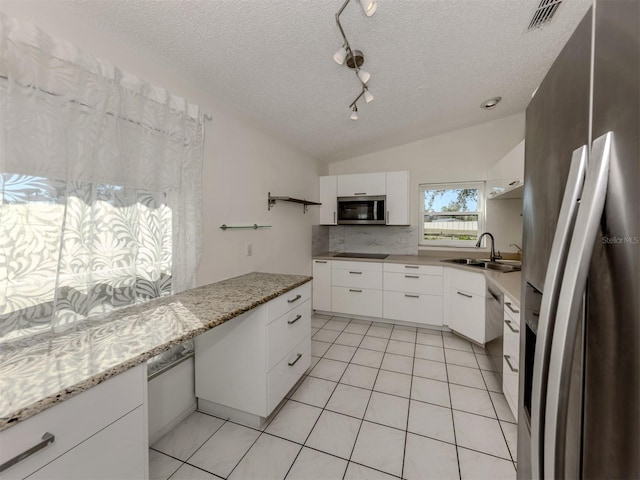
(41, 371)
(508, 283)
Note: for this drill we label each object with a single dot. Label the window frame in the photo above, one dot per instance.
(480, 185)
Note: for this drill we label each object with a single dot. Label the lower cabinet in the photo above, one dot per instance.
(99, 434)
(466, 304)
(356, 288)
(511, 354)
(322, 285)
(413, 307)
(357, 301)
(245, 366)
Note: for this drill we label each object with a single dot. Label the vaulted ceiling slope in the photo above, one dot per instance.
(432, 62)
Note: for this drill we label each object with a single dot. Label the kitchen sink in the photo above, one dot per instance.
(504, 266)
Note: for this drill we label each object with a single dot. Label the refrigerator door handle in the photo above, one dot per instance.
(552, 282)
(569, 303)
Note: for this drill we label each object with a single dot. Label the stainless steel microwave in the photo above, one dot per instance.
(362, 210)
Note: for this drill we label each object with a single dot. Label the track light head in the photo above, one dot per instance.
(354, 113)
(368, 97)
(369, 7)
(364, 76)
(340, 56)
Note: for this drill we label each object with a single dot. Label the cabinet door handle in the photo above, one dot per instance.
(508, 305)
(388, 217)
(464, 295)
(354, 290)
(47, 439)
(298, 357)
(334, 217)
(291, 322)
(412, 276)
(355, 273)
(411, 266)
(321, 261)
(411, 296)
(508, 360)
(361, 193)
(294, 299)
(508, 323)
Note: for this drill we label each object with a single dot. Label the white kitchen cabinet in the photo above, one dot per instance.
(362, 184)
(466, 304)
(413, 293)
(245, 366)
(511, 354)
(99, 433)
(506, 177)
(356, 288)
(329, 200)
(398, 198)
(322, 285)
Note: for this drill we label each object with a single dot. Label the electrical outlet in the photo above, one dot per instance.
(248, 249)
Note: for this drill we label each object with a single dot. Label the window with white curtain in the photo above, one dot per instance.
(100, 186)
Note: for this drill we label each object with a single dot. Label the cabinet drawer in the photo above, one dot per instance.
(286, 373)
(286, 332)
(117, 452)
(356, 278)
(466, 314)
(72, 421)
(413, 283)
(357, 301)
(410, 307)
(471, 282)
(511, 310)
(510, 386)
(413, 269)
(357, 266)
(287, 301)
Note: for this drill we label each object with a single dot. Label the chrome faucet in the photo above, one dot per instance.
(493, 257)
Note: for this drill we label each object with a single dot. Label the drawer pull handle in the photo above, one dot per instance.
(411, 296)
(354, 290)
(294, 299)
(291, 322)
(508, 360)
(508, 323)
(465, 295)
(47, 439)
(360, 193)
(321, 261)
(412, 276)
(355, 273)
(515, 182)
(298, 357)
(508, 305)
(411, 266)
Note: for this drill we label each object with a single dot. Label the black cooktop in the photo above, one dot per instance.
(377, 256)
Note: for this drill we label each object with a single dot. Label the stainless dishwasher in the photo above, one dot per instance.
(494, 317)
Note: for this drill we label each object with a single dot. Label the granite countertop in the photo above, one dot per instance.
(508, 283)
(40, 371)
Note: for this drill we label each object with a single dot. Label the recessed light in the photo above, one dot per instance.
(491, 103)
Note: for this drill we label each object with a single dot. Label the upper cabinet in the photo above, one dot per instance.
(398, 198)
(329, 200)
(394, 185)
(506, 178)
(362, 184)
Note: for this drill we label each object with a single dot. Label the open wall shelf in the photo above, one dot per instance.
(305, 203)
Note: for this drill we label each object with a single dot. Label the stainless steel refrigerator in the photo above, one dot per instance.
(579, 400)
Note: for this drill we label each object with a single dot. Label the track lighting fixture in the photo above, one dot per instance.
(355, 58)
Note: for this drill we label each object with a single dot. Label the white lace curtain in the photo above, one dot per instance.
(100, 175)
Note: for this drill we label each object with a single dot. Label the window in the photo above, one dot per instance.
(452, 214)
(74, 250)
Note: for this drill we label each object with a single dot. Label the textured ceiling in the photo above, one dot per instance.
(432, 62)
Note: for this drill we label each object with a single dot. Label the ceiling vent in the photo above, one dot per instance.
(544, 13)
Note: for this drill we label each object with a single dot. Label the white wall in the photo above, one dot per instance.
(241, 164)
(460, 155)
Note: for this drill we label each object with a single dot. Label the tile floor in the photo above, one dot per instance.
(379, 402)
